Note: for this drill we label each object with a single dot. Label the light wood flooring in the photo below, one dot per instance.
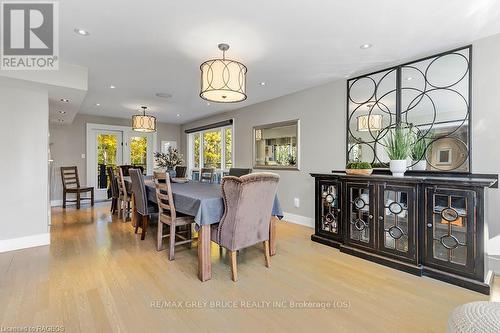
(98, 276)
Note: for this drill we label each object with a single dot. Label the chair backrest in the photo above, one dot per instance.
(126, 168)
(238, 172)
(113, 183)
(180, 171)
(206, 174)
(122, 188)
(139, 190)
(69, 177)
(248, 202)
(164, 194)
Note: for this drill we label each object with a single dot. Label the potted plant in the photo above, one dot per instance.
(418, 151)
(398, 148)
(169, 160)
(358, 168)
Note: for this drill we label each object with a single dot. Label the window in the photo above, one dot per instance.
(212, 148)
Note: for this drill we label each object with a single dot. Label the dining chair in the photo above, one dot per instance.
(71, 184)
(125, 168)
(238, 172)
(207, 174)
(124, 196)
(141, 204)
(248, 202)
(180, 171)
(169, 216)
(113, 186)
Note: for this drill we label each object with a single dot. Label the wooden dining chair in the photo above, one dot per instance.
(115, 192)
(124, 196)
(207, 174)
(71, 184)
(248, 202)
(238, 172)
(167, 215)
(142, 206)
(180, 171)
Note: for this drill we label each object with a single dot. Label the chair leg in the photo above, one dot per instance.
(171, 242)
(128, 211)
(78, 200)
(234, 267)
(136, 224)
(92, 197)
(145, 222)
(266, 254)
(64, 199)
(159, 237)
(112, 210)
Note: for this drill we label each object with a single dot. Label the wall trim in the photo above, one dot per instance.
(298, 219)
(494, 264)
(24, 242)
(56, 203)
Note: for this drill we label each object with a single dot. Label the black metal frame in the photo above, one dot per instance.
(398, 111)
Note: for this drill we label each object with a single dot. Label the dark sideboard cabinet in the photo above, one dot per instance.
(424, 225)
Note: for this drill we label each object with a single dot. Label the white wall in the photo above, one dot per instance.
(321, 111)
(486, 131)
(23, 171)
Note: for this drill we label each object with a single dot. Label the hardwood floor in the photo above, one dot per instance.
(98, 276)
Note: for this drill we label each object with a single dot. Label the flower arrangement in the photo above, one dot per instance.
(169, 160)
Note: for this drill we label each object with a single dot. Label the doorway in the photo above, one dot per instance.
(112, 146)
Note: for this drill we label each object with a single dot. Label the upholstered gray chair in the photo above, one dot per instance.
(238, 172)
(142, 206)
(248, 202)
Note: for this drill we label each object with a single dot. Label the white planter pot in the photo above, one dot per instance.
(420, 165)
(398, 167)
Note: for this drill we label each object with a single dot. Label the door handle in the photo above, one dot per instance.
(370, 217)
(429, 225)
(380, 218)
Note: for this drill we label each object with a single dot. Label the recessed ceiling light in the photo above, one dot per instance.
(263, 83)
(82, 32)
(62, 112)
(112, 87)
(409, 78)
(98, 104)
(365, 46)
(163, 95)
(178, 115)
(208, 103)
(65, 100)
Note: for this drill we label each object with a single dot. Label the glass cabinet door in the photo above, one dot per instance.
(396, 221)
(360, 214)
(330, 217)
(450, 230)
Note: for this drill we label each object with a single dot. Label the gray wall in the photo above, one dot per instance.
(68, 143)
(23, 171)
(321, 111)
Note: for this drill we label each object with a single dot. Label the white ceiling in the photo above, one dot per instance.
(145, 47)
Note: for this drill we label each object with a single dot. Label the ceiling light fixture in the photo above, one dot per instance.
(62, 112)
(365, 46)
(143, 122)
(262, 83)
(82, 32)
(367, 123)
(112, 87)
(178, 115)
(223, 80)
(98, 104)
(65, 100)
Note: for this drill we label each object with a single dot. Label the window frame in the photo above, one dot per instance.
(201, 164)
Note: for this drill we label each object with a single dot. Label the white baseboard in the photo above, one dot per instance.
(24, 242)
(56, 203)
(298, 219)
(494, 264)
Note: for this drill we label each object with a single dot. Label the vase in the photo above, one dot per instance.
(420, 165)
(398, 167)
(171, 173)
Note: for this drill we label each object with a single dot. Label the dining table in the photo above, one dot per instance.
(205, 203)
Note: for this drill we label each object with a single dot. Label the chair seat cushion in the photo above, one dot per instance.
(79, 189)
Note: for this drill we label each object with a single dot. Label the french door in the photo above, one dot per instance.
(116, 145)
